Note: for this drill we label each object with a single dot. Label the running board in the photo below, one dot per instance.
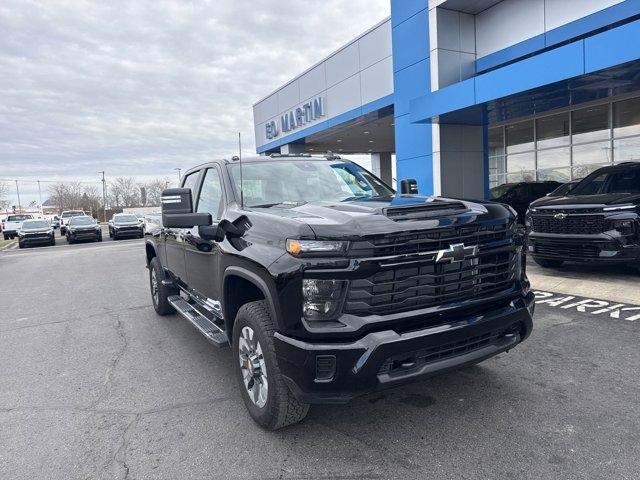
(206, 327)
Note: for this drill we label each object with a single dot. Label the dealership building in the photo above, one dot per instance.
(465, 95)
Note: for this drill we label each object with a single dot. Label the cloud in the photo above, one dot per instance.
(140, 87)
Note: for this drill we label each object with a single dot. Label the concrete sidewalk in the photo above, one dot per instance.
(614, 283)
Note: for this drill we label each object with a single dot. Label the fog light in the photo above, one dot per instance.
(325, 368)
(322, 298)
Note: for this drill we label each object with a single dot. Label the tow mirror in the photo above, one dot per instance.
(177, 210)
(409, 186)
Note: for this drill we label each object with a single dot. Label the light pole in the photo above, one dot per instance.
(179, 177)
(104, 198)
(40, 196)
(18, 193)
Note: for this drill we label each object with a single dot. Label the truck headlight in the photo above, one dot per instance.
(319, 248)
(625, 227)
(322, 299)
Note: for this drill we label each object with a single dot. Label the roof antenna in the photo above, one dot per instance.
(240, 160)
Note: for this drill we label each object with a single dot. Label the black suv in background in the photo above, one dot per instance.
(35, 232)
(83, 228)
(328, 285)
(519, 195)
(597, 221)
(125, 225)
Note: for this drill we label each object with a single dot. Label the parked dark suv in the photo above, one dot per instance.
(597, 221)
(519, 195)
(328, 285)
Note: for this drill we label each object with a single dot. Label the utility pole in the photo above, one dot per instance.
(40, 195)
(18, 192)
(104, 197)
(179, 177)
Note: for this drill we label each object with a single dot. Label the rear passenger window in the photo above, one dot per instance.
(210, 200)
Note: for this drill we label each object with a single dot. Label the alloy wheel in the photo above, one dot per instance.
(253, 367)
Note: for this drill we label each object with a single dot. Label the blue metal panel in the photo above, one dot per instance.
(410, 83)
(457, 96)
(410, 41)
(332, 122)
(420, 168)
(616, 46)
(574, 30)
(548, 67)
(506, 55)
(412, 139)
(402, 10)
(597, 20)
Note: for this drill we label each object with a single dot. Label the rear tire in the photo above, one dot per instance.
(69, 241)
(546, 263)
(281, 408)
(160, 293)
(53, 242)
(6, 237)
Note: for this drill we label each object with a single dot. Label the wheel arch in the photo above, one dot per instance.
(252, 288)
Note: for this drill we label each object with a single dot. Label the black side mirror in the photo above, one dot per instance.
(177, 210)
(409, 186)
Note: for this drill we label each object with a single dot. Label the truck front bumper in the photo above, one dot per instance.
(338, 372)
(600, 248)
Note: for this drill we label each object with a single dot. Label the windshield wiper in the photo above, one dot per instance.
(269, 205)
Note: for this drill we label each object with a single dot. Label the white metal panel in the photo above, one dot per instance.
(467, 33)
(448, 67)
(377, 81)
(561, 12)
(448, 29)
(344, 96)
(375, 45)
(267, 108)
(343, 64)
(508, 23)
(313, 82)
(288, 96)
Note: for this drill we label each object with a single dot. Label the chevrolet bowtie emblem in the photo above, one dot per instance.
(456, 252)
(560, 216)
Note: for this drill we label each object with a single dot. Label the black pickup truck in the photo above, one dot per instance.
(328, 285)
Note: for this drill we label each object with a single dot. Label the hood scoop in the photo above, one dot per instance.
(425, 211)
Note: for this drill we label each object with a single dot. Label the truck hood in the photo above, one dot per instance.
(583, 200)
(382, 215)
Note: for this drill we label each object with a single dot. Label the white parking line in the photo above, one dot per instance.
(618, 311)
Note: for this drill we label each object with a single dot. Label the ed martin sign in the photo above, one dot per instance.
(296, 118)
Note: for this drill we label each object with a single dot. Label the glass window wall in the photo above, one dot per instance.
(567, 145)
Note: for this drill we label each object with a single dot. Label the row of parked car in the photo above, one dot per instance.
(590, 220)
(75, 225)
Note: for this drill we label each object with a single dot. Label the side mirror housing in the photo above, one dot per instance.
(409, 186)
(177, 210)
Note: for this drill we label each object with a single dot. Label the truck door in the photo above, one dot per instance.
(203, 256)
(174, 237)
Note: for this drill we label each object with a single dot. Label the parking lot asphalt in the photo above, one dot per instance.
(94, 385)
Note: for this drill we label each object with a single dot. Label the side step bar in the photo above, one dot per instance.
(206, 327)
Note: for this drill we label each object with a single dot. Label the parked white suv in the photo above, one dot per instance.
(12, 225)
(66, 216)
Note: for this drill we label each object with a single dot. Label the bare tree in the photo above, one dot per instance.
(124, 192)
(4, 193)
(75, 196)
(154, 191)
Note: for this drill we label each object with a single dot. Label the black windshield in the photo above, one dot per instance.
(295, 182)
(608, 182)
(82, 221)
(35, 225)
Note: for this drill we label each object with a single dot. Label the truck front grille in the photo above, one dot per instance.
(409, 286)
(572, 224)
(429, 241)
(567, 251)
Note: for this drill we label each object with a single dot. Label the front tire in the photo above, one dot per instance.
(160, 293)
(20, 244)
(546, 263)
(264, 392)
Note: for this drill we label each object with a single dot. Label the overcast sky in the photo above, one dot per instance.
(139, 87)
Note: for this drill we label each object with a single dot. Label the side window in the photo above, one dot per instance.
(521, 193)
(210, 200)
(190, 182)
